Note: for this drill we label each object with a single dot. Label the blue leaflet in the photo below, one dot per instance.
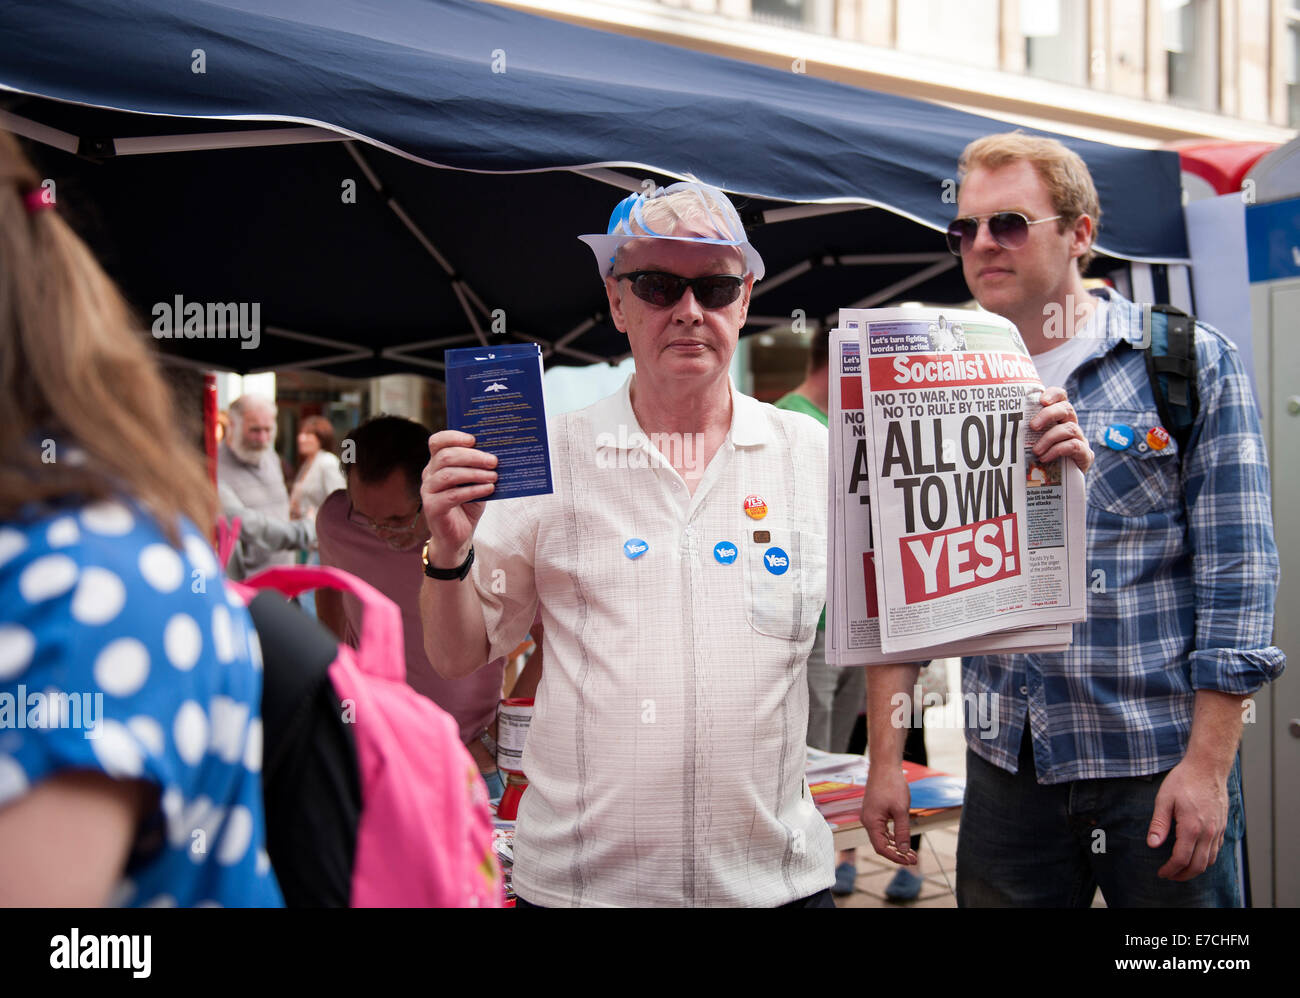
(937, 791)
(495, 393)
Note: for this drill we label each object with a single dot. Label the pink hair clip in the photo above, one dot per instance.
(35, 200)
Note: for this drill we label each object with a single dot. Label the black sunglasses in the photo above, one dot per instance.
(661, 289)
(1009, 229)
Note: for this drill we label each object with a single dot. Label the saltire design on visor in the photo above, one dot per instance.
(709, 215)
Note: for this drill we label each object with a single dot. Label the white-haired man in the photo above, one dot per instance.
(680, 569)
(248, 467)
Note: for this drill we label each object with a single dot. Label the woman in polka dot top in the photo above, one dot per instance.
(130, 684)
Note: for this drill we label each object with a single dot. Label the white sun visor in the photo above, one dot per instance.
(704, 213)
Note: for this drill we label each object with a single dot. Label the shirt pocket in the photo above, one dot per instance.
(1139, 479)
(785, 581)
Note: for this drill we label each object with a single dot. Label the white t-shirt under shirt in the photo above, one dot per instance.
(667, 749)
(1057, 364)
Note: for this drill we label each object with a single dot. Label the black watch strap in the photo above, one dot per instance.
(448, 574)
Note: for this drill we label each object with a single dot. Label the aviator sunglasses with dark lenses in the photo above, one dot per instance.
(661, 289)
(1009, 229)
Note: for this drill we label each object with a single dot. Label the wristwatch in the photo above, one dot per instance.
(447, 574)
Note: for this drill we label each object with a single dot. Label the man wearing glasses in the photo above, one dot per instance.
(1114, 764)
(680, 567)
(374, 529)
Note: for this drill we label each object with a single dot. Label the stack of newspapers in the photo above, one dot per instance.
(947, 537)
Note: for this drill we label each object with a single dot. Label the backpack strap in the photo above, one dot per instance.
(227, 538)
(1171, 368)
(383, 652)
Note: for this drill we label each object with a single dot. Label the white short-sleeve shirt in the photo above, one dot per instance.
(667, 748)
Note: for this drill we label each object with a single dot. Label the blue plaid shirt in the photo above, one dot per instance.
(1182, 575)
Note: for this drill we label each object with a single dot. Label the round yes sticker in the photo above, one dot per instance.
(1158, 438)
(755, 507)
(776, 561)
(1119, 436)
(634, 548)
(725, 552)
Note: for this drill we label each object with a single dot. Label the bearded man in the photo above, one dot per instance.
(249, 468)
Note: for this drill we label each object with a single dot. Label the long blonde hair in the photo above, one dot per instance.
(76, 370)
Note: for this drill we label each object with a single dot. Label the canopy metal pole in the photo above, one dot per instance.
(575, 332)
(170, 358)
(402, 351)
(887, 259)
(810, 211)
(772, 283)
(547, 349)
(350, 351)
(395, 353)
(920, 277)
(473, 296)
(146, 144)
(442, 341)
(458, 285)
(612, 177)
(852, 260)
(143, 145)
(37, 132)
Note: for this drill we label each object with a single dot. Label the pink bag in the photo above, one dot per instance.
(425, 834)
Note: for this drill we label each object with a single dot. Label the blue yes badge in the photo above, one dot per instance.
(635, 548)
(1119, 436)
(776, 561)
(725, 552)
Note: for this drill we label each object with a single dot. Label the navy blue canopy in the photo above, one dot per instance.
(203, 146)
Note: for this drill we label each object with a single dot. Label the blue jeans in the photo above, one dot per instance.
(307, 600)
(1024, 844)
(496, 785)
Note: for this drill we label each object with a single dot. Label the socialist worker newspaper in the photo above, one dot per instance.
(973, 535)
(852, 624)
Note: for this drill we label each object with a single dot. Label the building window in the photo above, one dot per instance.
(1056, 40)
(1293, 62)
(809, 15)
(951, 31)
(1191, 52)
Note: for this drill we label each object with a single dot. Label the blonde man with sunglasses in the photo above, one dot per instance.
(1114, 763)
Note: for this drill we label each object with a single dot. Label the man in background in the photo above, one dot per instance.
(249, 468)
(374, 530)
